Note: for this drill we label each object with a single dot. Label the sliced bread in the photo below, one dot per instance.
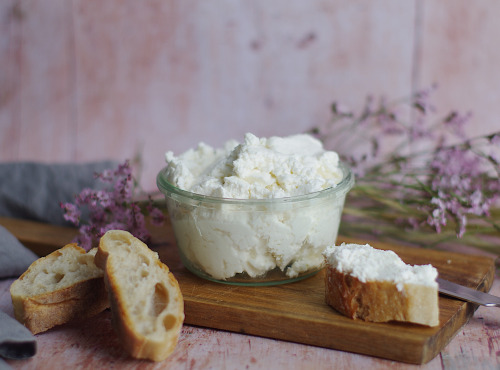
(58, 288)
(365, 283)
(146, 303)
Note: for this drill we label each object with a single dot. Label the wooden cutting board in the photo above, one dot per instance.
(297, 311)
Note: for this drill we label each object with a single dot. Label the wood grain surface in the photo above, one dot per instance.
(297, 312)
(86, 80)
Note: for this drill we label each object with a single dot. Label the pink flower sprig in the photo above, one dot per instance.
(415, 169)
(113, 207)
(459, 188)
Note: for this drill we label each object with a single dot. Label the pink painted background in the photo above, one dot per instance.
(84, 80)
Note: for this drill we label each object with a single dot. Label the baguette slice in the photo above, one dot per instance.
(146, 303)
(375, 285)
(57, 288)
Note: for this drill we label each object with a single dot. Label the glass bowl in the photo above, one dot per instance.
(255, 241)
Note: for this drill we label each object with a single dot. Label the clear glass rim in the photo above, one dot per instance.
(340, 190)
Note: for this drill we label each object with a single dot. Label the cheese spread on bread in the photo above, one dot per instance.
(365, 283)
(370, 264)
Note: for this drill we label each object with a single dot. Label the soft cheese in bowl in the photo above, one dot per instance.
(258, 212)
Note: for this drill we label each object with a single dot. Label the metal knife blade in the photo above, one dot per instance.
(467, 294)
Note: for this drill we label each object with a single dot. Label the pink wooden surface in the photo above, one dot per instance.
(85, 79)
(460, 51)
(91, 345)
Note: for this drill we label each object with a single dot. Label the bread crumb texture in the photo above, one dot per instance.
(146, 301)
(365, 283)
(58, 270)
(63, 286)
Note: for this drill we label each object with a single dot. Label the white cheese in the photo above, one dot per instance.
(259, 168)
(224, 240)
(369, 264)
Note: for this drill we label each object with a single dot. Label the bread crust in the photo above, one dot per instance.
(40, 312)
(80, 301)
(168, 322)
(381, 301)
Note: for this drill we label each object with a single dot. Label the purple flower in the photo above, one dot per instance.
(389, 125)
(71, 213)
(437, 218)
(458, 186)
(86, 196)
(85, 239)
(413, 222)
(422, 99)
(157, 217)
(111, 209)
(495, 138)
(106, 176)
(104, 198)
(423, 169)
(418, 130)
(456, 122)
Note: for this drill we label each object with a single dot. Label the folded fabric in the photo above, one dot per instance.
(15, 258)
(33, 191)
(16, 341)
(4, 365)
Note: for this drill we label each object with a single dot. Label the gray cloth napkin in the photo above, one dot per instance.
(16, 341)
(4, 365)
(15, 258)
(33, 191)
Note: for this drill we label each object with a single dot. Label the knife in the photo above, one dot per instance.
(467, 294)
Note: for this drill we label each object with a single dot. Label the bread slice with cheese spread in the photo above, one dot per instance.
(146, 303)
(60, 287)
(365, 283)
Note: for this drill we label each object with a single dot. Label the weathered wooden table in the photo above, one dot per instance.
(93, 344)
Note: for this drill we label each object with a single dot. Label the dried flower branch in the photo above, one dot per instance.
(434, 177)
(112, 207)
